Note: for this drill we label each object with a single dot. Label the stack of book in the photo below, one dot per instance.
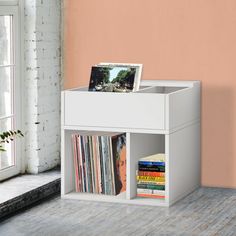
(100, 163)
(151, 176)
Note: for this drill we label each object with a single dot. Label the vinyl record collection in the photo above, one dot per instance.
(100, 163)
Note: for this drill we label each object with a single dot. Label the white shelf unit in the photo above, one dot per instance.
(162, 117)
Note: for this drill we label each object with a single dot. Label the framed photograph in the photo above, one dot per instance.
(115, 77)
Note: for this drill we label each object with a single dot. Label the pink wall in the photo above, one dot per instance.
(182, 40)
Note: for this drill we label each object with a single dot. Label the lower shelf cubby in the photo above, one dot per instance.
(96, 162)
(137, 146)
(140, 146)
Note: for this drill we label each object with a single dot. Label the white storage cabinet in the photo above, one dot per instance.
(162, 117)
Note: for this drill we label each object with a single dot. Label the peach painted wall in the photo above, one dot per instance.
(181, 40)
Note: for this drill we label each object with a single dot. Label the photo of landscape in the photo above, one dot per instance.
(112, 79)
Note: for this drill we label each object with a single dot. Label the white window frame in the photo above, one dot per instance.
(12, 7)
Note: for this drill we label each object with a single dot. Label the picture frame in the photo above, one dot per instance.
(115, 77)
(138, 75)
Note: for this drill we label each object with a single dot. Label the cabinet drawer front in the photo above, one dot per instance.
(116, 110)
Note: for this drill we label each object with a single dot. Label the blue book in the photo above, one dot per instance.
(152, 163)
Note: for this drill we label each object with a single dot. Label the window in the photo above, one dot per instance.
(10, 160)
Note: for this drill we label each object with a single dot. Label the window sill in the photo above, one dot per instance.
(24, 190)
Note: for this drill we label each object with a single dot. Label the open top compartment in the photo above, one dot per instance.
(160, 89)
(85, 89)
(156, 107)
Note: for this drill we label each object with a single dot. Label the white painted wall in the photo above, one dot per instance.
(42, 84)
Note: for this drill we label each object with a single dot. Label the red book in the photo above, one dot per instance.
(153, 174)
(150, 195)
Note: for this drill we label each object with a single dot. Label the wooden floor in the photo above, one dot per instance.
(207, 211)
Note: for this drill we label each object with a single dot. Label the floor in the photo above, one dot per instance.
(21, 184)
(207, 211)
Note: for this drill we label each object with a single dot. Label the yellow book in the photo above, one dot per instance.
(151, 178)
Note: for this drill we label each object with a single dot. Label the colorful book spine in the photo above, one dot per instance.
(149, 195)
(150, 191)
(149, 173)
(151, 163)
(150, 182)
(151, 186)
(150, 178)
(151, 168)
